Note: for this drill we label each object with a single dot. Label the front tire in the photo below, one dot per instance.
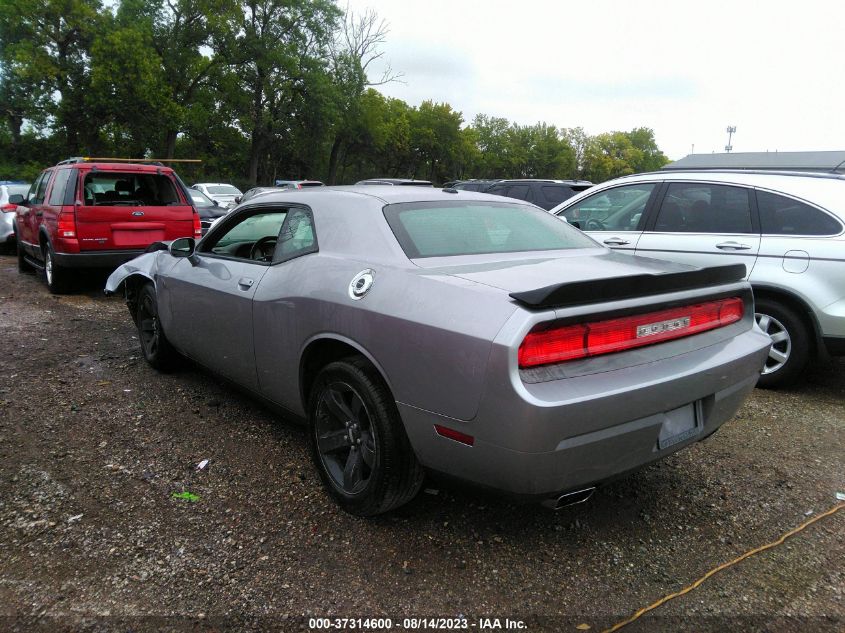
(157, 350)
(358, 443)
(790, 344)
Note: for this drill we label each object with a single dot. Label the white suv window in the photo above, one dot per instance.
(704, 208)
(616, 209)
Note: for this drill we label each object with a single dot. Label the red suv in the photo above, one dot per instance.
(86, 214)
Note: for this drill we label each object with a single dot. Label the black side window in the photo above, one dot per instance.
(780, 215)
(36, 192)
(555, 194)
(57, 194)
(498, 190)
(519, 192)
(704, 208)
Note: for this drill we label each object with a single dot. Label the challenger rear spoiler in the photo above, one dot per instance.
(617, 288)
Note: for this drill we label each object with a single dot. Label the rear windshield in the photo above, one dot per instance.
(18, 189)
(223, 190)
(439, 229)
(142, 189)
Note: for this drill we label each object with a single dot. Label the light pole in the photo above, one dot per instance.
(731, 131)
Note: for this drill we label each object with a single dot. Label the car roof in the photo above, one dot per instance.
(213, 184)
(393, 181)
(385, 194)
(547, 180)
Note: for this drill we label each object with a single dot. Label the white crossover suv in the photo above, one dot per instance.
(786, 227)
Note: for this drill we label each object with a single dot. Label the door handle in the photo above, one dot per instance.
(733, 246)
(244, 283)
(616, 241)
(38, 214)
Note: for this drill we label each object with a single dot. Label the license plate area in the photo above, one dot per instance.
(680, 424)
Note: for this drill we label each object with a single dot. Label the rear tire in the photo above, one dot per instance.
(358, 443)
(56, 276)
(790, 344)
(155, 347)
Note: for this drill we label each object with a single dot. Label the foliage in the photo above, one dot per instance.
(259, 90)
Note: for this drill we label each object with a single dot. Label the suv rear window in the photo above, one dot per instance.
(116, 188)
(438, 229)
(223, 190)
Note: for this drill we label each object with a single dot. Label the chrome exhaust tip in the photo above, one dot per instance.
(570, 498)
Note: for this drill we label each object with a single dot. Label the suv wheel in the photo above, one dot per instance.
(57, 277)
(790, 343)
(358, 443)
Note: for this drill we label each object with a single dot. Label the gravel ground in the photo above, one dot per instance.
(93, 444)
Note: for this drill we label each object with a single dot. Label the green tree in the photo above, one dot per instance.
(280, 51)
(49, 43)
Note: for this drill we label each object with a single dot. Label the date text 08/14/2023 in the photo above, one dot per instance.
(417, 624)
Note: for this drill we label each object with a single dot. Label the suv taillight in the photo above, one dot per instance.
(66, 225)
(197, 225)
(544, 345)
(8, 208)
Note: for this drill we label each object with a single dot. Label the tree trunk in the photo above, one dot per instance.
(15, 122)
(170, 143)
(334, 159)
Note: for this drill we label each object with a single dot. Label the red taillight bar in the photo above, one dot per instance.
(8, 208)
(66, 225)
(573, 342)
(197, 225)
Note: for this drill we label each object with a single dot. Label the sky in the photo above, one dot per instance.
(688, 70)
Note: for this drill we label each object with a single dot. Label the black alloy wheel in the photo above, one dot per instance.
(344, 435)
(358, 442)
(154, 344)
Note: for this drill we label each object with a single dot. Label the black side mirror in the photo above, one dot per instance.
(183, 247)
(238, 199)
(16, 198)
(216, 203)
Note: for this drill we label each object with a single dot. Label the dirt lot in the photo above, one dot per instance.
(93, 444)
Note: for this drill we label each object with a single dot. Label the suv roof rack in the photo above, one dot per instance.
(149, 161)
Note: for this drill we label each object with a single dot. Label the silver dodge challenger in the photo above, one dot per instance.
(419, 329)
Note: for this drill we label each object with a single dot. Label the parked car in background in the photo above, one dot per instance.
(544, 193)
(474, 185)
(7, 209)
(395, 182)
(298, 184)
(226, 195)
(785, 228)
(464, 333)
(209, 210)
(82, 214)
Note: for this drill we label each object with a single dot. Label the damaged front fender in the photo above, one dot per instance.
(146, 265)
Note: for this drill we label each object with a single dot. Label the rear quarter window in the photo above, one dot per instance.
(57, 193)
(437, 229)
(780, 215)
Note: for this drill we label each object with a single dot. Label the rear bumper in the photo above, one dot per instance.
(573, 433)
(101, 259)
